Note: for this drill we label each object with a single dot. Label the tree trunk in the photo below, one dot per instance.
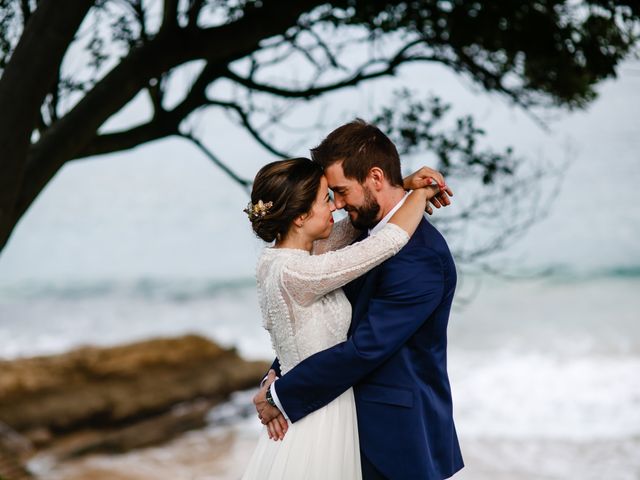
(25, 82)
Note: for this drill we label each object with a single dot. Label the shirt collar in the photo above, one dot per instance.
(388, 216)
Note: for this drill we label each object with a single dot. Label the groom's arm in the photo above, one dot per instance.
(275, 366)
(411, 288)
(277, 427)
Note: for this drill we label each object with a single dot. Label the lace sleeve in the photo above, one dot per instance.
(310, 277)
(342, 234)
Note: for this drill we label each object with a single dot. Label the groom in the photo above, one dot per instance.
(396, 354)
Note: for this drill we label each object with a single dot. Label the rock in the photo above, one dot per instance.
(10, 466)
(151, 431)
(120, 393)
(14, 448)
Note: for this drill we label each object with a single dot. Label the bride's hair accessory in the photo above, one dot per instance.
(258, 210)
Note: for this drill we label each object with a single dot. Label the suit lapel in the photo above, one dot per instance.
(352, 288)
(363, 288)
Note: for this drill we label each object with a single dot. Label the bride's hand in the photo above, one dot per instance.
(424, 177)
(277, 428)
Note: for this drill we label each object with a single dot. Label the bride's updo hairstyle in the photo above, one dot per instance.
(291, 186)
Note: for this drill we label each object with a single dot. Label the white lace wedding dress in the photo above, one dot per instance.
(305, 311)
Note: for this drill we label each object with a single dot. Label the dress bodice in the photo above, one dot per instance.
(303, 307)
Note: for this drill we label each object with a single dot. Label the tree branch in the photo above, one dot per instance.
(156, 94)
(491, 81)
(246, 122)
(333, 61)
(169, 15)
(243, 182)
(139, 14)
(312, 92)
(162, 124)
(26, 11)
(194, 12)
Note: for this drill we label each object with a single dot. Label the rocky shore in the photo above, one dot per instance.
(113, 399)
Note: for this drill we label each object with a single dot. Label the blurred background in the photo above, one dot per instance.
(137, 231)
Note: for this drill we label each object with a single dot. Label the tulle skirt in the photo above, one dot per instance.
(323, 445)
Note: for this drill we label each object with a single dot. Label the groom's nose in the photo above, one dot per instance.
(338, 201)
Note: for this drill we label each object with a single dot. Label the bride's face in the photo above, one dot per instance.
(319, 221)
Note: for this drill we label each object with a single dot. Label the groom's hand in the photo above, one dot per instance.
(268, 413)
(260, 399)
(270, 416)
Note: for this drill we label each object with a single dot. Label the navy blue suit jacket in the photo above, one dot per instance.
(396, 360)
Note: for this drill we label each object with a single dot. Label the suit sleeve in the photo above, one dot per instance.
(411, 288)
(274, 366)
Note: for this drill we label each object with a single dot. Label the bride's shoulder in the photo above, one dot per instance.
(273, 256)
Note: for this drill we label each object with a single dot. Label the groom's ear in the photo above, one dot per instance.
(376, 178)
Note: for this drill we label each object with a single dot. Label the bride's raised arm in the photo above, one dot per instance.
(307, 278)
(342, 234)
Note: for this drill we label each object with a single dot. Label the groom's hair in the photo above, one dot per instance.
(360, 146)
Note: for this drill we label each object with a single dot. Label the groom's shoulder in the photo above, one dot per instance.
(426, 252)
(426, 242)
(426, 236)
(422, 244)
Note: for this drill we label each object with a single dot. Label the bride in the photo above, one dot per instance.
(305, 310)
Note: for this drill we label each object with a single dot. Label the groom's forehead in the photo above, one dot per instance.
(338, 184)
(335, 175)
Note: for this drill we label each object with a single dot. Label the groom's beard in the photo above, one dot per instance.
(367, 213)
